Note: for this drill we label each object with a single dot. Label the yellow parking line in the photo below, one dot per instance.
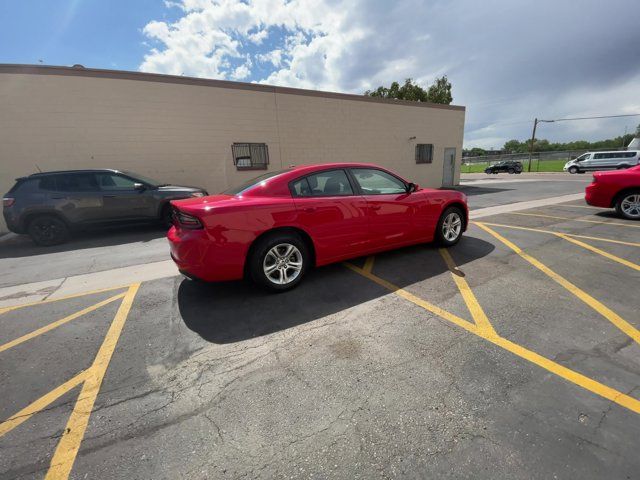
(593, 249)
(41, 403)
(67, 297)
(586, 237)
(579, 206)
(58, 323)
(470, 299)
(576, 378)
(368, 264)
(416, 300)
(603, 310)
(573, 219)
(72, 436)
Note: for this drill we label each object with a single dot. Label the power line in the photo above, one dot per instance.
(590, 118)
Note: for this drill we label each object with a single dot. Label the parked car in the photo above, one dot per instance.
(592, 161)
(619, 190)
(49, 206)
(508, 166)
(273, 228)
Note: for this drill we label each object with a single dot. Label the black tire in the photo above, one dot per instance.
(48, 230)
(166, 216)
(488, 171)
(626, 212)
(511, 171)
(441, 237)
(262, 253)
(573, 169)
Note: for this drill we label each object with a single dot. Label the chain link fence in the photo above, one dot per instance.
(540, 161)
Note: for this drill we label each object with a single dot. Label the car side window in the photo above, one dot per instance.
(48, 183)
(112, 181)
(322, 184)
(377, 182)
(77, 182)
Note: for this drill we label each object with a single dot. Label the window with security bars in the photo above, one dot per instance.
(424, 153)
(250, 156)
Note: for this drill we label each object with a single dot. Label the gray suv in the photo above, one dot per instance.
(48, 206)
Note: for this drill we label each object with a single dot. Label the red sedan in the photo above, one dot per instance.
(276, 226)
(618, 189)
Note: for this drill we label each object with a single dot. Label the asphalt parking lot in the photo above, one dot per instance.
(514, 354)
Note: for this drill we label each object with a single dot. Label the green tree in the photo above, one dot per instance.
(439, 92)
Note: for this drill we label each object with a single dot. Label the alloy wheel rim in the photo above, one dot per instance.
(282, 264)
(451, 227)
(47, 230)
(631, 205)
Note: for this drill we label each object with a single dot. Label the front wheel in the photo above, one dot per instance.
(511, 171)
(628, 205)
(573, 170)
(48, 230)
(279, 261)
(450, 227)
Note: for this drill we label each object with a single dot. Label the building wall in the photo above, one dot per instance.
(182, 133)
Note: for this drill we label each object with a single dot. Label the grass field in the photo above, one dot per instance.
(536, 166)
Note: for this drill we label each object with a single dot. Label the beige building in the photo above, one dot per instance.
(196, 132)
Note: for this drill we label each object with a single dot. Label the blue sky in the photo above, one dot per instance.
(509, 61)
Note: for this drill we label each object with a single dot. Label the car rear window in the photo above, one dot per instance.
(251, 183)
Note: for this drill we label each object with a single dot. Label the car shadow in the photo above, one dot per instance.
(231, 312)
(470, 191)
(18, 246)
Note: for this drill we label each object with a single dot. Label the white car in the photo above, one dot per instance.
(614, 160)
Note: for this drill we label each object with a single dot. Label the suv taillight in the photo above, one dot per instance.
(186, 221)
(7, 201)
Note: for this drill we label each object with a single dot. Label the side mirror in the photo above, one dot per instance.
(140, 187)
(412, 187)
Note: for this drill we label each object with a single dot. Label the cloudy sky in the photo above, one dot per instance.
(508, 60)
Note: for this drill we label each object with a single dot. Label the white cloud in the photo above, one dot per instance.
(533, 59)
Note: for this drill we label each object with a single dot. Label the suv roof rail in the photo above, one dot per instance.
(84, 170)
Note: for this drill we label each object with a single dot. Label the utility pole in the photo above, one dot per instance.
(533, 139)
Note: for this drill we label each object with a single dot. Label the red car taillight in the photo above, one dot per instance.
(186, 221)
(7, 201)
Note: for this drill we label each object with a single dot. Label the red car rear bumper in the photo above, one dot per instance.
(198, 255)
(598, 195)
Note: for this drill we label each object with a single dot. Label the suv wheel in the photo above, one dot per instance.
(628, 205)
(48, 230)
(511, 171)
(573, 169)
(279, 261)
(450, 227)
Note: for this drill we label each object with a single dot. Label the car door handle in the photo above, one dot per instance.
(109, 196)
(375, 207)
(309, 209)
(58, 197)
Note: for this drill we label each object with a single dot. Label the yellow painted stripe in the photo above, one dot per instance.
(69, 444)
(412, 298)
(58, 323)
(470, 299)
(603, 310)
(576, 378)
(67, 297)
(368, 264)
(41, 403)
(529, 229)
(574, 219)
(593, 249)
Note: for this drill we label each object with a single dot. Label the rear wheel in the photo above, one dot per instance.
(450, 227)
(48, 230)
(279, 261)
(628, 205)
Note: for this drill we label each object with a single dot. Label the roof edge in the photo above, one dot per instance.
(26, 69)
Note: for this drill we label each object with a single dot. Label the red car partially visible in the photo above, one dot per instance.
(618, 189)
(276, 226)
